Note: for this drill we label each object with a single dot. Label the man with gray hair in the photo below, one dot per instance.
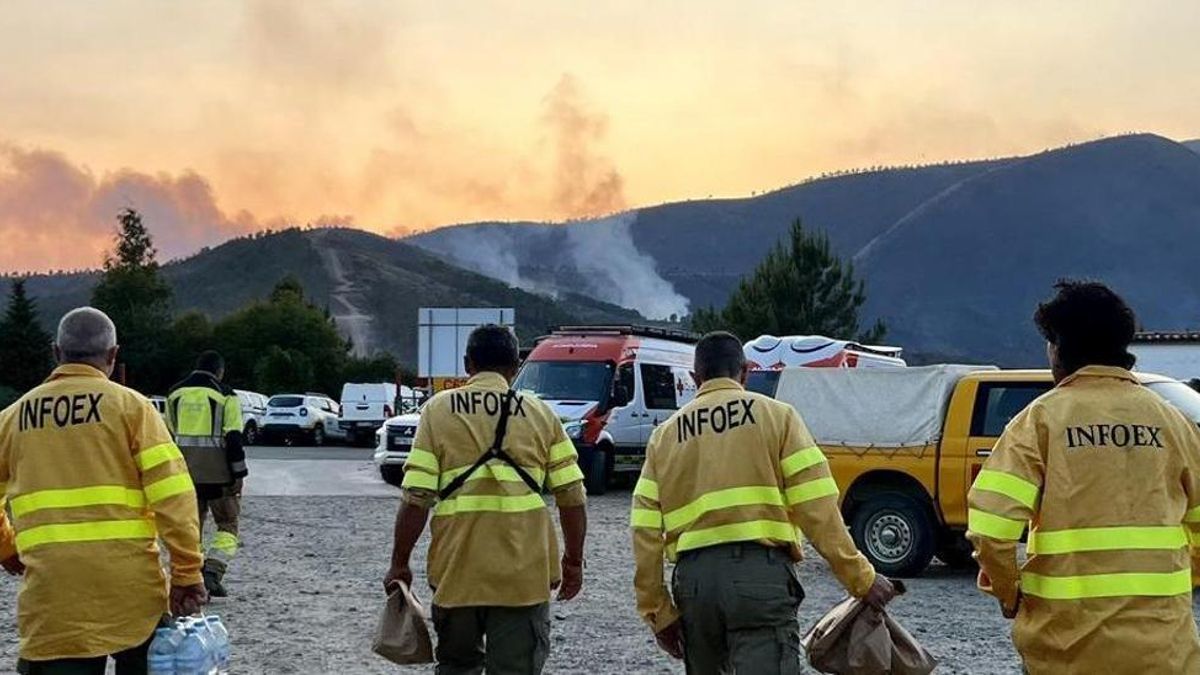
(93, 480)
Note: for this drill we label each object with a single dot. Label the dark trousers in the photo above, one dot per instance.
(129, 662)
(738, 606)
(496, 640)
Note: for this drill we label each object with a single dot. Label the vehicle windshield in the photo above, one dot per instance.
(566, 380)
(1181, 396)
(286, 401)
(763, 382)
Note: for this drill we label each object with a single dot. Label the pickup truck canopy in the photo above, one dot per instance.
(876, 407)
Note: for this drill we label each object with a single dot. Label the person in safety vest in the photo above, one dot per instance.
(481, 457)
(206, 417)
(1107, 476)
(729, 482)
(93, 480)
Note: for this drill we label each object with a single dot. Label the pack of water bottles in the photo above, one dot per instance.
(191, 646)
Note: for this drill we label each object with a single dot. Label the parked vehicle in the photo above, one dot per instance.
(309, 417)
(905, 445)
(768, 355)
(393, 441)
(254, 410)
(365, 407)
(160, 404)
(611, 386)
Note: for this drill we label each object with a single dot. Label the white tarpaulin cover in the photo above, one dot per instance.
(877, 407)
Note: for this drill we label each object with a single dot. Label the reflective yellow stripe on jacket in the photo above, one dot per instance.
(100, 495)
(67, 533)
(1006, 495)
(1108, 585)
(1085, 540)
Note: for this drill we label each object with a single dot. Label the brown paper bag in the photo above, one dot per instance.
(855, 639)
(402, 636)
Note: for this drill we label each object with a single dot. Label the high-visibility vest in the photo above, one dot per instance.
(201, 412)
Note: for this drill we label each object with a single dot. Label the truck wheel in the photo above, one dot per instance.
(596, 478)
(895, 532)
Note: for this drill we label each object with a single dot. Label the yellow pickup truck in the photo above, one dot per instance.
(905, 444)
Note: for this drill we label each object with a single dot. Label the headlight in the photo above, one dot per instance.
(574, 429)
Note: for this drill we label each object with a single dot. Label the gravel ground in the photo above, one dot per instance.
(307, 596)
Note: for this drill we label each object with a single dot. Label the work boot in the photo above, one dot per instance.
(212, 583)
(212, 580)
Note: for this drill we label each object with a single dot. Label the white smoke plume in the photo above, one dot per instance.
(489, 252)
(604, 253)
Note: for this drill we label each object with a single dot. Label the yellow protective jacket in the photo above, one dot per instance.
(93, 479)
(735, 466)
(493, 542)
(1107, 475)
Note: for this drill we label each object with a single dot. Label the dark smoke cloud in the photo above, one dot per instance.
(55, 214)
(585, 183)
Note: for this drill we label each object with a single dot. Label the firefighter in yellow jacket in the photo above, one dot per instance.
(480, 459)
(729, 483)
(93, 480)
(1107, 476)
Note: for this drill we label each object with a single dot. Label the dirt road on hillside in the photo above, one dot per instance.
(345, 298)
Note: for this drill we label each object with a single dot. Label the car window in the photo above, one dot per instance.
(286, 402)
(659, 385)
(998, 402)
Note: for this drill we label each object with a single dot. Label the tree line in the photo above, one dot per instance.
(282, 343)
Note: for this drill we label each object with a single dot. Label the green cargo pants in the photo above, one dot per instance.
(498, 640)
(738, 604)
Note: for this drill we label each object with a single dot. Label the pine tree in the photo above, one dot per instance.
(25, 355)
(135, 296)
(801, 288)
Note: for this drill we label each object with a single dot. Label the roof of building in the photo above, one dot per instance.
(1180, 336)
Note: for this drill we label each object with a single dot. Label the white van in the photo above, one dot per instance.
(365, 407)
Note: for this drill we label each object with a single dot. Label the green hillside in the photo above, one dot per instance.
(383, 280)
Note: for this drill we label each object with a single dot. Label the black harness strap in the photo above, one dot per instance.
(494, 452)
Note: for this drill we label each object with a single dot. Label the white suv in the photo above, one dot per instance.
(392, 443)
(290, 417)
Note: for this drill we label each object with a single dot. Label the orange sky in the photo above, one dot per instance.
(221, 117)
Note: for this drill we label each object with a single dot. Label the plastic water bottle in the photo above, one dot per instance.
(161, 660)
(195, 653)
(221, 641)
